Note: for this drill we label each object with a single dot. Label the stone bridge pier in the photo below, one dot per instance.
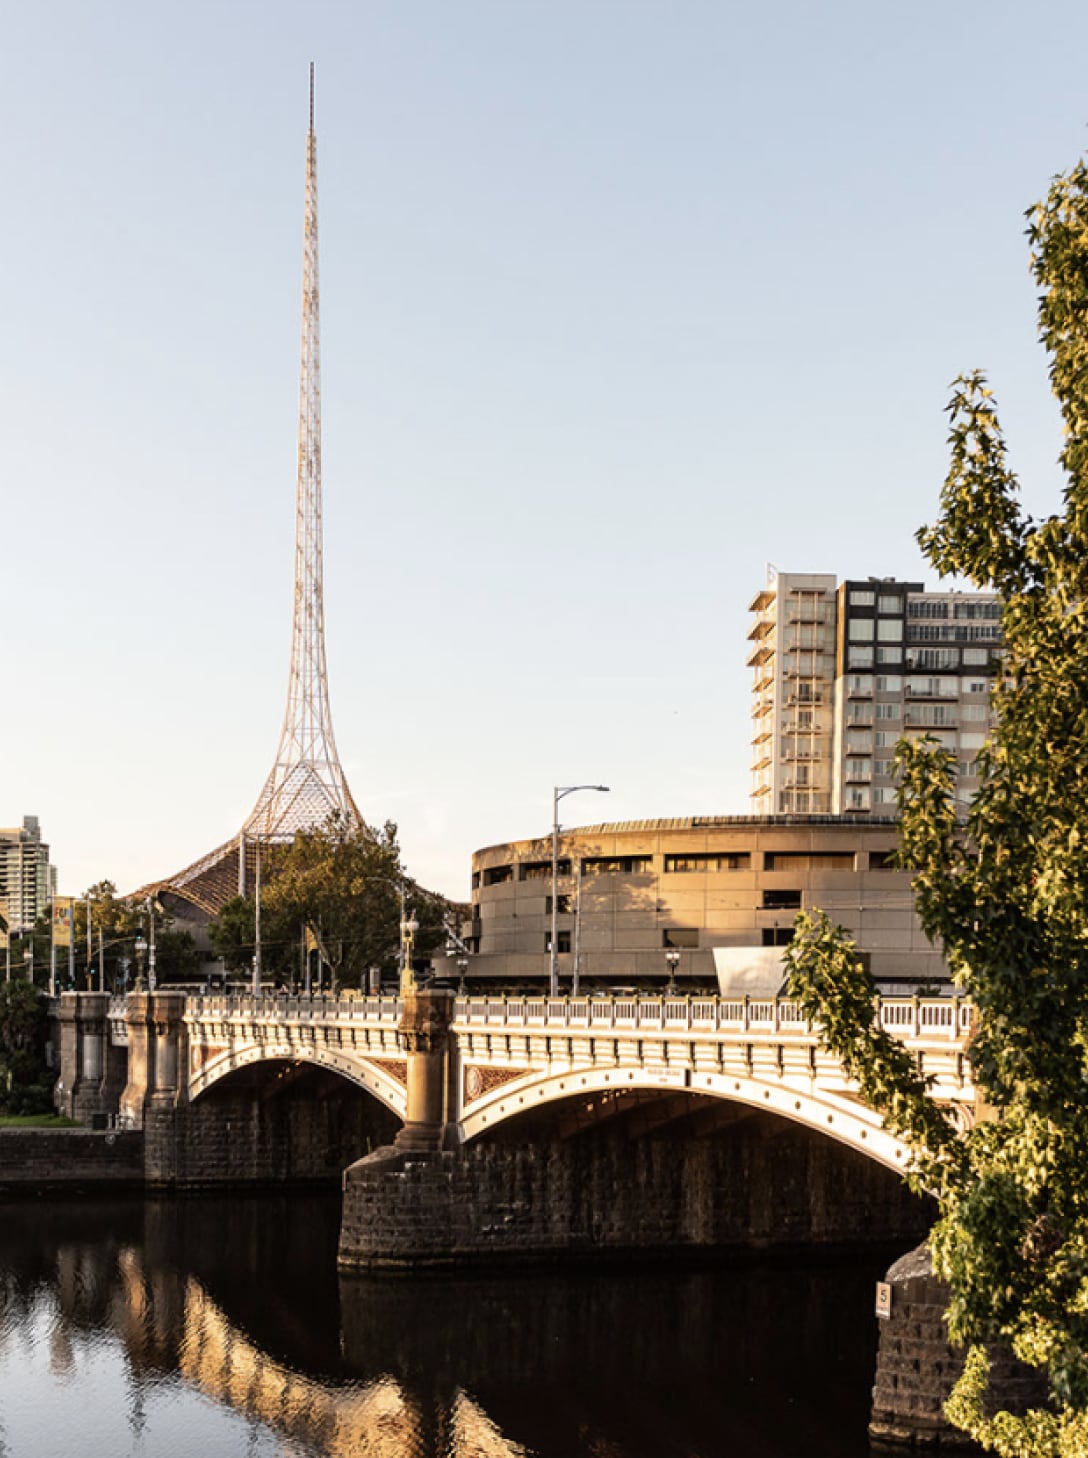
(91, 1069)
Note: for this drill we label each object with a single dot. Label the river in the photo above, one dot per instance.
(210, 1327)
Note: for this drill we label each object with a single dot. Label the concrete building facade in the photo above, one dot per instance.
(722, 892)
(27, 880)
(843, 671)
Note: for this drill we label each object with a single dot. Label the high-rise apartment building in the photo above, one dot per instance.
(841, 671)
(27, 880)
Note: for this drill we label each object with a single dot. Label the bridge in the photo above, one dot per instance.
(432, 1085)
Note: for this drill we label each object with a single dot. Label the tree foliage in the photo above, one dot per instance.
(1005, 890)
(339, 888)
(25, 1081)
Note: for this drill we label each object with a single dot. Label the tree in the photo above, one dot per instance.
(1006, 892)
(340, 886)
(25, 1081)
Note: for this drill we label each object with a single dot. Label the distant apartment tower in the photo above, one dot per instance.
(841, 671)
(27, 880)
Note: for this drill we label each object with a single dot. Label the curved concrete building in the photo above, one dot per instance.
(722, 891)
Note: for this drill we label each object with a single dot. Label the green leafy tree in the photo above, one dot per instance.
(1006, 893)
(25, 1081)
(340, 888)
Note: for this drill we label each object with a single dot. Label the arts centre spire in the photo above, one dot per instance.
(306, 783)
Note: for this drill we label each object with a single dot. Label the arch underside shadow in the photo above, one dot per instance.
(827, 1112)
(359, 1071)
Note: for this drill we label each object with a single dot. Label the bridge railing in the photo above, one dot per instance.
(937, 1018)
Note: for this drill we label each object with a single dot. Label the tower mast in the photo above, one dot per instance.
(306, 783)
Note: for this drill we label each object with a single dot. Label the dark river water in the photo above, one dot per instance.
(214, 1328)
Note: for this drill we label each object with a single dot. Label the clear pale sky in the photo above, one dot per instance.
(621, 301)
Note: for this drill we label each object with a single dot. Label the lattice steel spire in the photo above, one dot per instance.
(306, 783)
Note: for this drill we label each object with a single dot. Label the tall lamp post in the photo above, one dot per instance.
(559, 793)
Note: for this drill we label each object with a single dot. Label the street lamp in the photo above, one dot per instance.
(408, 928)
(672, 957)
(141, 948)
(559, 793)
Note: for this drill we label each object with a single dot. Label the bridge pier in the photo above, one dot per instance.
(916, 1368)
(433, 1097)
(157, 1056)
(91, 1070)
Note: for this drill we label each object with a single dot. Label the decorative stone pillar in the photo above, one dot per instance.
(84, 1040)
(425, 1035)
(157, 1055)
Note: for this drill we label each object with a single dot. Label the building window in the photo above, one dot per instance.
(858, 769)
(857, 799)
(859, 683)
(889, 683)
(883, 861)
(889, 654)
(859, 741)
(861, 598)
(882, 767)
(888, 711)
(976, 711)
(861, 630)
(808, 861)
(680, 936)
(728, 861)
(542, 870)
(781, 901)
(927, 607)
(975, 657)
(562, 941)
(498, 875)
(859, 657)
(617, 865)
(562, 905)
(777, 936)
(884, 796)
(889, 630)
(976, 685)
(890, 603)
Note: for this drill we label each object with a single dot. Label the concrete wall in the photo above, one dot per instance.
(763, 1183)
(40, 1159)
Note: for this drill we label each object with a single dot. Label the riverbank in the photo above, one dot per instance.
(35, 1159)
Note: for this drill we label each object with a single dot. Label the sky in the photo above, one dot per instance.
(622, 300)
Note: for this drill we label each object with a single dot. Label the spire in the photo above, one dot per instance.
(306, 783)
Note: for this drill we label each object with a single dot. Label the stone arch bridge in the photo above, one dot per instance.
(452, 1079)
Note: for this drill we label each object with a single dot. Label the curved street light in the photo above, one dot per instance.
(559, 793)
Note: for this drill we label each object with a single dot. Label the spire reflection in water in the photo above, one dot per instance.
(220, 1327)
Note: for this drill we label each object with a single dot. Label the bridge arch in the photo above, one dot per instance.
(833, 1114)
(363, 1072)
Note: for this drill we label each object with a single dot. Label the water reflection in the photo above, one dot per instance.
(177, 1326)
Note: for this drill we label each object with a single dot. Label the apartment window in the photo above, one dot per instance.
(617, 865)
(884, 860)
(976, 712)
(861, 598)
(887, 654)
(475, 880)
(680, 936)
(976, 685)
(976, 610)
(859, 683)
(889, 603)
(935, 657)
(726, 861)
(858, 769)
(857, 800)
(927, 607)
(562, 941)
(889, 683)
(890, 630)
(889, 711)
(563, 907)
(884, 739)
(859, 741)
(859, 657)
(975, 657)
(781, 901)
(882, 767)
(861, 630)
(884, 795)
(859, 713)
(497, 875)
(808, 860)
(777, 936)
